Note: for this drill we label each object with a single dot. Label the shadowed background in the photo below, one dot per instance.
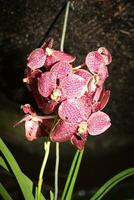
(23, 26)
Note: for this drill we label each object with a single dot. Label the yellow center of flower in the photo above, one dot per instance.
(49, 51)
(82, 127)
(56, 95)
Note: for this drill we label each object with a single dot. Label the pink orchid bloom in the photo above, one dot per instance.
(60, 83)
(96, 62)
(46, 56)
(35, 126)
(76, 114)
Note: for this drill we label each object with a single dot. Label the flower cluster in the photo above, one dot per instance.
(72, 98)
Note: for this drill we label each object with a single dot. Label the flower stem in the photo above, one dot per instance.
(40, 181)
(56, 171)
(64, 26)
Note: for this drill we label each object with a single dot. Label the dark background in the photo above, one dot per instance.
(24, 24)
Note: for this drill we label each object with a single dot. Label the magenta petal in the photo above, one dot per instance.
(97, 94)
(46, 84)
(36, 59)
(106, 55)
(48, 43)
(91, 86)
(27, 109)
(63, 131)
(103, 74)
(61, 70)
(84, 74)
(63, 56)
(78, 141)
(68, 111)
(49, 106)
(94, 61)
(104, 99)
(31, 128)
(84, 106)
(98, 122)
(50, 60)
(73, 86)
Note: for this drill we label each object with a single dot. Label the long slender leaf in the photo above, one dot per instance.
(111, 183)
(74, 176)
(17, 171)
(73, 172)
(51, 195)
(4, 193)
(3, 164)
(70, 175)
(27, 180)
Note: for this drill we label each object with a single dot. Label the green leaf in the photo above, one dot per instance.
(17, 172)
(51, 195)
(4, 193)
(27, 180)
(111, 183)
(73, 172)
(3, 164)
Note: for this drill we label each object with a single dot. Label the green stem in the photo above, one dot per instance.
(47, 148)
(64, 27)
(56, 171)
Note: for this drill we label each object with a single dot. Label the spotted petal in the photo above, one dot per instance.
(61, 70)
(36, 59)
(78, 141)
(104, 100)
(106, 55)
(84, 106)
(61, 56)
(68, 111)
(63, 131)
(48, 106)
(46, 84)
(73, 86)
(94, 61)
(98, 122)
(31, 128)
(48, 43)
(84, 74)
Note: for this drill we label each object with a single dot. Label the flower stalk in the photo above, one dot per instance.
(64, 26)
(47, 149)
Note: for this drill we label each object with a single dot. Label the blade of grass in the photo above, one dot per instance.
(16, 171)
(74, 177)
(30, 184)
(4, 193)
(3, 164)
(111, 183)
(51, 195)
(72, 174)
